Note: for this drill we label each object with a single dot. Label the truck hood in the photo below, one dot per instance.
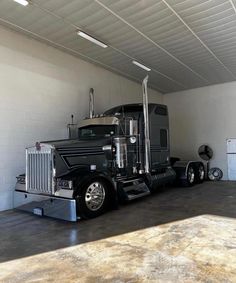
(73, 154)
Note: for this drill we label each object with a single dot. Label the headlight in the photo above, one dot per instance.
(20, 179)
(64, 184)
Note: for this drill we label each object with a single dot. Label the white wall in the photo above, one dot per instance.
(40, 87)
(203, 116)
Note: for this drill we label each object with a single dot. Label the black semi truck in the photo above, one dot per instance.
(120, 155)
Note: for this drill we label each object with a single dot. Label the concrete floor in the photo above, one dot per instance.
(176, 235)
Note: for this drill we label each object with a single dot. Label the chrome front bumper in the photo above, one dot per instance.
(42, 205)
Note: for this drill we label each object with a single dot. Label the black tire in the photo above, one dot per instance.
(92, 199)
(200, 173)
(190, 177)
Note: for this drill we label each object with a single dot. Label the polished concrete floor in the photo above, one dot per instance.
(176, 235)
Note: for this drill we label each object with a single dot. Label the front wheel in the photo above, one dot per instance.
(92, 200)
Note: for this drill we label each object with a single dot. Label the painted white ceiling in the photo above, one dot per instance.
(187, 43)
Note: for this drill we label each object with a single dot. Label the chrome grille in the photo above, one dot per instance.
(39, 169)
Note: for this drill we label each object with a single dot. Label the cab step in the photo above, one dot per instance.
(133, 189)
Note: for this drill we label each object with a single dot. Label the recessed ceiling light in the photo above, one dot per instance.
(22, 2)
(92, 39)
(141, 66)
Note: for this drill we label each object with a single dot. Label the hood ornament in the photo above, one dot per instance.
(38, 146)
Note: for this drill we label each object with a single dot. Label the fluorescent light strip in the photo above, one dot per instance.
(92, 39)
(22, 2)
(141, 66)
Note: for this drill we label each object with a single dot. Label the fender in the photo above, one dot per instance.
(72, 174)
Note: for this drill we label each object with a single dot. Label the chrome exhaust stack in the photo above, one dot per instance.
(146, 126)
(91, 103)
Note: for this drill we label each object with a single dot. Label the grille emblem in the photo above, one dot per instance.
(38, 146)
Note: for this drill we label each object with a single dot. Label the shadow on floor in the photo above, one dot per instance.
(23, 234)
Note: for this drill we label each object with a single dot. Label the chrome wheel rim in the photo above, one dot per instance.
(95, 196)
(201, 173)
(191, 175)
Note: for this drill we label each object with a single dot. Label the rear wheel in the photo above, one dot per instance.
(200, 173)
(190, 177)
(92, 200)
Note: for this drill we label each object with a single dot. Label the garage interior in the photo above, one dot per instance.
(177, 234)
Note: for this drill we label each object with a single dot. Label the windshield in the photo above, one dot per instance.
(96, 131)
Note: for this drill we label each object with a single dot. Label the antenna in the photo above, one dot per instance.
(72, 129)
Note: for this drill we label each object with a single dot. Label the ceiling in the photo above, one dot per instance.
(186, 43)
